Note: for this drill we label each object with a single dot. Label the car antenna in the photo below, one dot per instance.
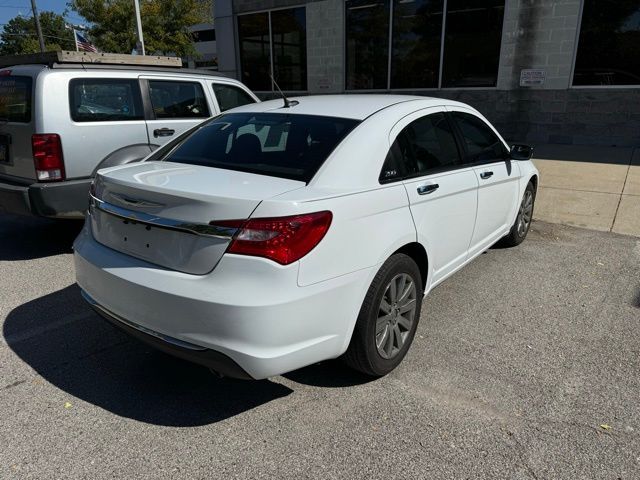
(287, 103)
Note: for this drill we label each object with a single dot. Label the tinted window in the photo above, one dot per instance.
(427, 145)
(230, 97)
(609, 45)
(204, 35)
(392, 169)
(277, 39)
(367, 28)
(417, 30)
(175, 99)
(276, 144)
(482, 144)
(255, 50)
(289, 40)
(15, 99)
(472, 43)
(96, 100)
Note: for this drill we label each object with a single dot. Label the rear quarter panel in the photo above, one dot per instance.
(367, 227)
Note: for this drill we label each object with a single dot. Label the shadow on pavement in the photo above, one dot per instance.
(72, 348)
(587, 154)
(26, 238)
(329, 374)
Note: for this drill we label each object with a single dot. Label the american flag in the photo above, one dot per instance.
(82, 44)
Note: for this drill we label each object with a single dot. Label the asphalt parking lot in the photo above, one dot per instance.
(526, 365)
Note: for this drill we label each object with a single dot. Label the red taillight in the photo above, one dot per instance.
(282, 239)
(47, 156)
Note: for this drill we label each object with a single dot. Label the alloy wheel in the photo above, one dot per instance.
(525, 213)
(396, 315)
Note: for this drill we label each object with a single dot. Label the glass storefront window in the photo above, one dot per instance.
(367, 44)
(274, 40)
(288, 28)
(472, 43)
(472, 36)
(609, 44)
(255, 54)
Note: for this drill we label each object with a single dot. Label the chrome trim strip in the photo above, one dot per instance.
(103, 311)
(202, 229)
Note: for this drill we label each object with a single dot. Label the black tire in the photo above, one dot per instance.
(363, 352)
(519, 230)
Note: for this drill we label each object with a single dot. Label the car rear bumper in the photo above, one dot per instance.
(248, 310)
(216, 361)
(67, 199)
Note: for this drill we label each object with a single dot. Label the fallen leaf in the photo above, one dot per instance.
(604, 426)
(67, 405)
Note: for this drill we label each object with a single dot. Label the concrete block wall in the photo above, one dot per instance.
(609, 117)
(325, 46)
(539, 34)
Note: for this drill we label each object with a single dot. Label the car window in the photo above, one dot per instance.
(275, 144)
(104, 99)
(482, 144)
(230, 96)
(392, 169)
(427, 145)
(15, 99)
(177, 99)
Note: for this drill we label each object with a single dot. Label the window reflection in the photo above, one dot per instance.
(609, 45)
(253, 32)
(472, 43)
(289, 48)
(417, 30)
(367, 44)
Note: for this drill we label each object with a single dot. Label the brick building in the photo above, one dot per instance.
(563, 71)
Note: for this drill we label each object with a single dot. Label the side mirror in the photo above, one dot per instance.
(521, 152)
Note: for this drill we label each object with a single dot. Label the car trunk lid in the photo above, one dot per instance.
(165, 213)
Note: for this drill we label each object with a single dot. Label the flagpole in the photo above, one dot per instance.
(140, 44)
(75, 39)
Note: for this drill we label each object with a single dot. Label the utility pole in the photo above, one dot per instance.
(140, 42)
(38, 29)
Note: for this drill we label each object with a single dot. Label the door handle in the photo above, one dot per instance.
(426, 189)
(485, 175)
(163, 132)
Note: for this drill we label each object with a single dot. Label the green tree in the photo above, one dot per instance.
(19, 35)
(164, 24)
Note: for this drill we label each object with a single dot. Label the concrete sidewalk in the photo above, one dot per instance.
(589, 186)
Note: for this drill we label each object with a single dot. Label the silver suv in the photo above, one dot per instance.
(61, 122)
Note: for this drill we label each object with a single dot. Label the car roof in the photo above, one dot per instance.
(139, 69)
(354, 106)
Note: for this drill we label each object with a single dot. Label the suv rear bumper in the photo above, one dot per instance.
(67, 199)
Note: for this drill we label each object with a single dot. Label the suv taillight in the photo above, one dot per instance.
(282, 239)
(47, 157)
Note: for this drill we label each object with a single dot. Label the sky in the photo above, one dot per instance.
(11, 8)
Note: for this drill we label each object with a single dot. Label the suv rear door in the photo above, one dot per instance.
(17, 124)
(174, 105)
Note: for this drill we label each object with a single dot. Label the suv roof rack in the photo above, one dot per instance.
(89, 58)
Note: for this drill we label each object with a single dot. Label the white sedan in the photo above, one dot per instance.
(281, 234)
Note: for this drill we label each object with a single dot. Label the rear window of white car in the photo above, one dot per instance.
(275, 144)
(15, 99)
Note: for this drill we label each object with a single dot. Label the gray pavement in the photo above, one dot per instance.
(521, 362)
